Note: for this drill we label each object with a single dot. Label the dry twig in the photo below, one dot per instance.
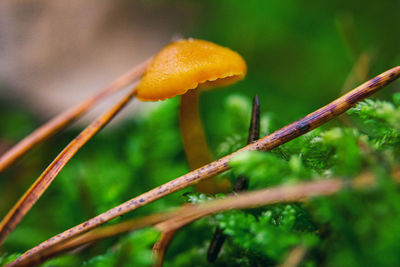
(102, 233)
(278, 194)
(296, 255)
(171, 221)
(160, 247)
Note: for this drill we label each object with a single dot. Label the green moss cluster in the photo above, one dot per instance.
(352, 228)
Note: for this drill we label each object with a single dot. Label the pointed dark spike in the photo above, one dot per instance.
(242, 182)
(216, 245)
(254, 130)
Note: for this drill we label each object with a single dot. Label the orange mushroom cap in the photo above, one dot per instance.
(186, 64)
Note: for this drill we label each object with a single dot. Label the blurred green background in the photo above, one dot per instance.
(300, 56)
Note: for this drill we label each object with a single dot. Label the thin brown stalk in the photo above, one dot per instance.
(269, 142)
(278, 194)
(160, 247)
(102, 233)
(26, 202)
(296, 255)
(173, 220)
(65, 118)
(358, 73)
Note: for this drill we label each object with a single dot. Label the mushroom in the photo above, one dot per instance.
(184, 68)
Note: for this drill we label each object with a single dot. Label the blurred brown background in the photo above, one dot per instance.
(55, 53)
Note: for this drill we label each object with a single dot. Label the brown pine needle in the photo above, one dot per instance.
(160, 247)
(25, 203)
(277, 138)
(65, 118)
(171, 221)
(283, 193)
(296, 255)
(102, 233)
(358, 73)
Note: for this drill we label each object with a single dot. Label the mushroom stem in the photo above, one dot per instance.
(197, 155)
(194, 139)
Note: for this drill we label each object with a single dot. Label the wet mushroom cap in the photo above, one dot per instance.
(188, 64)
